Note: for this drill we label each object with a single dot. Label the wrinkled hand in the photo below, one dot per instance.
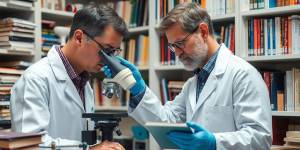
(140, 83)
(106, 145)
(199, 139)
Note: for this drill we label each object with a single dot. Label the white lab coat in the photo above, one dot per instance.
(234, 104)
(45, 100)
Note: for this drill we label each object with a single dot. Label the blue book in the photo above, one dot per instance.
(251, 51)
(272, 3)
(277, 84)
(273, 37)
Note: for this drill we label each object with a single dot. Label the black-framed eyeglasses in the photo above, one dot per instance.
(181, 43)
(109, 50)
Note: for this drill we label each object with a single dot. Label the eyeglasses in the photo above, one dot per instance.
(109, 51)
(181, 43)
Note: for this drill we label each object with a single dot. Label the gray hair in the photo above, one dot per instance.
(188, 15)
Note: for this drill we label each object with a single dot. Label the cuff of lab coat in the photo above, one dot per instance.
(135, 100)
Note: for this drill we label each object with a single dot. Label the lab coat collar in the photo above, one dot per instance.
(212, 81)
(56, 64)
(222, 60)
(61, 74)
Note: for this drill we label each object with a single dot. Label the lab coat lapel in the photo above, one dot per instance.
(89, 98)
(72, 93)
(212, 81)
(207, 90)
(61, 74)
(192, 95)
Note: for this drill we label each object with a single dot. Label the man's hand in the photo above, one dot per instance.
(199, 139)
(106, 145)
(140, 83)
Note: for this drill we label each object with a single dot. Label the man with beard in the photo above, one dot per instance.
(226, 102)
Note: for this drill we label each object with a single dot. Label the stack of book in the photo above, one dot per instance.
(8, 76)
(19, 3)
(292, 139)
(16, 36)
(49, 38)
(20, 141)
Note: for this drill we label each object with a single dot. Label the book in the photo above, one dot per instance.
(10, 71)
(15, 64)
(159, 131)
(17, 29)
(13, 140)
(18, 34)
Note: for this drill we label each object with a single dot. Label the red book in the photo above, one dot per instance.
(255, 36)
(232, 39)
(162, 50)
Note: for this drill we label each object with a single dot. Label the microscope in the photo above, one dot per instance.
(107, 122)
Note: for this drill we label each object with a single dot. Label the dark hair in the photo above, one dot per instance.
(93, 20)
(188, 15)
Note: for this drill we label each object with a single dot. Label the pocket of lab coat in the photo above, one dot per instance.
(220, 118)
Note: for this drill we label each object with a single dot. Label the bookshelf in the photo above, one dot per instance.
(282, 120)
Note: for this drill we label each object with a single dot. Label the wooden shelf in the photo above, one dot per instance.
(4, 103)
(111, 108)
(169, 67)
(285, 114)
(143, 68)
(139, 29)
(4, 6)
(272, 11)
(273, 58)
(226, 17)
(56, 15)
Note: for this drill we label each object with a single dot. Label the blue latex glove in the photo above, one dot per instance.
(200, 139)
(140, 83)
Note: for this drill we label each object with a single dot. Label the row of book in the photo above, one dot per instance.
(16, 36)
(136, 50)
(170, 89)
(220, 7)
(274, 36)
(8, 77)
(226, 34)
(49, 38)
(261, 4)
(135, 13)
(214, 8)
(284, 89)
(167, 57)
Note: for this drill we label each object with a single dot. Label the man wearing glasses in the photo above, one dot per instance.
(52, 94)
(226, 102)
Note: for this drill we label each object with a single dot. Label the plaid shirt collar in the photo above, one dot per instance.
(79, 80)
(209, 66)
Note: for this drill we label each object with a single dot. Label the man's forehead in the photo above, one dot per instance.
(110, 38)
(175, 33)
